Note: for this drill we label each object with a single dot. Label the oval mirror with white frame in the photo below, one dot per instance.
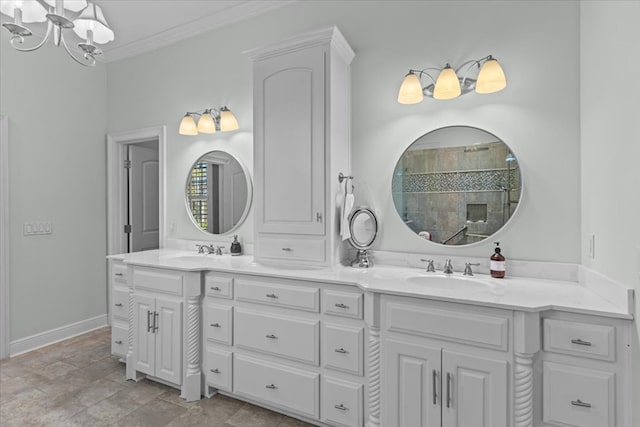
(363, 228)
(456, 185)
(218, 192)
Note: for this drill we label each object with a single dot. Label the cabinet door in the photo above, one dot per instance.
(289, 95)
(168, 349)
(412, 391)
(143, 336)
(474, 391)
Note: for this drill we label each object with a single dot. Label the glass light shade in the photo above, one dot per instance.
(447, 84)
(93, 19)
(410, 90)
(227, 120)
(72, 5)
(206, 124)
(188, 126)
(32, 11)
(491, 77)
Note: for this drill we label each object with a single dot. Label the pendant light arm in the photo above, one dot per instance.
(471, 63)
(90, 60)
(422, 72)
(17, 40)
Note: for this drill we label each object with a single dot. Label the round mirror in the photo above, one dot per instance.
(363, 228)
(218, 192)
(457, 185)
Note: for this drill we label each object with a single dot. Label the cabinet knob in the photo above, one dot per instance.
(341, 350)
(271, 386)
(271, 336)
(578, 341)
(287, 249)
(119, 274)
(215, 371)
(215, 325)
(118, 342)
(341, 305)
(274, 296)
(581, 403)
(118, 304)
(341, 407)
(215, 288)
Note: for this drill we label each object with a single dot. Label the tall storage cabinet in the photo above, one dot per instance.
(301, 144)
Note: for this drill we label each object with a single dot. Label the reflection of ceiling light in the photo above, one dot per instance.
(209, 121)
(89, 24)
(449, 85)
(510, 157)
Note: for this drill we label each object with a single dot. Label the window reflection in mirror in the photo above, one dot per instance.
(218, 192)
(456, 185)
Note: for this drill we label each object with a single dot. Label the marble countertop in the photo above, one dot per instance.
(516, 293)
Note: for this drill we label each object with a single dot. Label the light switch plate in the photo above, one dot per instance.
(35, 228)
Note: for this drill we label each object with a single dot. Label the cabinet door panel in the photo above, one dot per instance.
(168, 340)
(290, 144)
(474, 391)
(143, 337)
(412, 393)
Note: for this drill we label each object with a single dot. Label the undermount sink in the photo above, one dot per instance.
(198, 258)
(451, 282)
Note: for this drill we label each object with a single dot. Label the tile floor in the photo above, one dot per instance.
(78, 383)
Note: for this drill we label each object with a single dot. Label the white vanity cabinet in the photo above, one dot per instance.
(301, 143)
(118, 307)
(444, 364)
(583, 362)
(164, 327)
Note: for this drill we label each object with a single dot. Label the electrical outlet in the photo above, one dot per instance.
(592, 246)
(35, 228)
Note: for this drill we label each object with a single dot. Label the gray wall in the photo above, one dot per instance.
(611, 145)
(57, 124)
(537, 114)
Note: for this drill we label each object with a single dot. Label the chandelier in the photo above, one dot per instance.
(83, 17)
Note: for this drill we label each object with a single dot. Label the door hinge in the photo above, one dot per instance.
(127, 228)
(318, 217)
(127, 164)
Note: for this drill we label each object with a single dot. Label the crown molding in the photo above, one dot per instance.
(206, 23)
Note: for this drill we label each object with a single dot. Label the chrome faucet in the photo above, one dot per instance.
(219, 250)
(467, 268)
(430, 266)
(205, 249)
(448, 268)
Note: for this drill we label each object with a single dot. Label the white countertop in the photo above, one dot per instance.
(516, 293)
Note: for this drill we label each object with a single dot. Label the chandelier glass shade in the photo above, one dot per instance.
(209, 121)
(490, 78)
(85, 18)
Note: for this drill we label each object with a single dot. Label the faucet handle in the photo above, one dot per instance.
(430, 267)
(219, 250)
(467, 268)
(448, 268)
(200, 248)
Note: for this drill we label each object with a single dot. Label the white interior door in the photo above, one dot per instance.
(144, 197)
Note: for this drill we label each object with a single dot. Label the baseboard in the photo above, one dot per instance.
(52, 336)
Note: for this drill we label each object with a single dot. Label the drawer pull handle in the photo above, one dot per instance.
(287, 249)
(119, 274)
(271, 336)
(581, 403)
(215, 288)
(341, 305)
(215, 371)
(449, 378)
(341, 407)
(274, 296)
(118, 304)
(435, 387)
(341, 350)
(118, 342)
(215, 325)
(271, 386)
(581, 342)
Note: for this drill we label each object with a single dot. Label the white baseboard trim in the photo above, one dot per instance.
(52, 336)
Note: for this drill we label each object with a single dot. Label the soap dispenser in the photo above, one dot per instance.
(498, 264)
(236, 249)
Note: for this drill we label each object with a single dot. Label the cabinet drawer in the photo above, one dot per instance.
(218, 323)
(580, 339)
(119, 340)
(286, 248)
(165, 281)
(218, 287)
(118, 273)
(290, 388)
(291, 338)
(120, 302)
(342, 402)
(577, 397)
(476, 327)
(219, 369)
(302, 298)
(343, 348)
(348, 304)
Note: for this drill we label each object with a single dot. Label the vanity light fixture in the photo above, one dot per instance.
(210, 120)
(84, 17)
(449, 85)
